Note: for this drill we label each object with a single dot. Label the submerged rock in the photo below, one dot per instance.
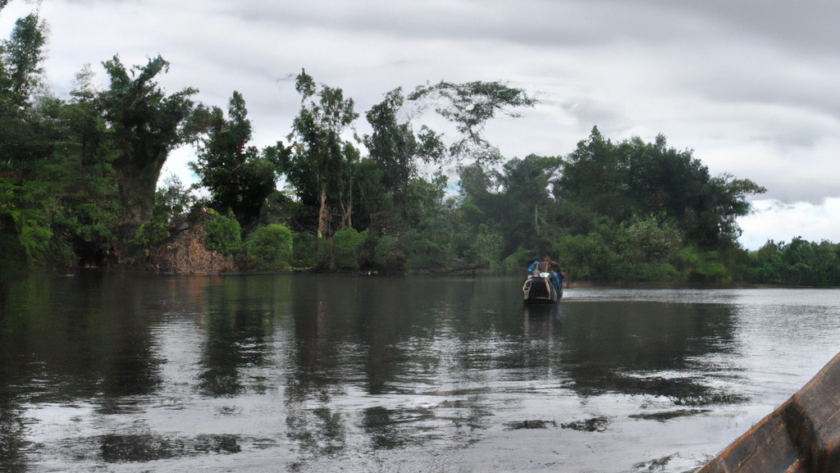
(596, 424)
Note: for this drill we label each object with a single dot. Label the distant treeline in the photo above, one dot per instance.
(79, 176)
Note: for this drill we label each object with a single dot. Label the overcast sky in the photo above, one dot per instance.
(750, 86)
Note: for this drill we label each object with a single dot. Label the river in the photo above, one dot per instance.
(121, 371)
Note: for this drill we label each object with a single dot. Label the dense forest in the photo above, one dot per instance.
(79, 186)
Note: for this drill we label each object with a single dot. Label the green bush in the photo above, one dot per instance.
(224, 235)
(421, 252)
(270, 247)
(346, 248)
(520, 259)
(304, 250)
(589, 257)
(152, 231)
(657, 243)
(385, 248)
(661, 272)
(487, 248)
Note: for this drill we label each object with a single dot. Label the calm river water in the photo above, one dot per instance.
(112, 371)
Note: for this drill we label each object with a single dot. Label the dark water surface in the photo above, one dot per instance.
(111, 371)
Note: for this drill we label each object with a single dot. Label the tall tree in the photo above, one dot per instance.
(395, 148)
(321, 157)
(24, 52)
(20, 74)
(620, 180)
(238, 176)
(469, 106)
(147, 124)
(513, 203)
(26, 196)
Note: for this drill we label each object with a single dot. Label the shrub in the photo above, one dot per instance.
(589, 257)
(304, 250)
(345, 248)
(520, 259)
(270, 247)
(385, 248)
(152, 232)
(656, 242)
(421, 252)
(657, 272)
(487, 248)
(223, 235)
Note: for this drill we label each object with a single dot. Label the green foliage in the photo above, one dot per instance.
(423, 250)
(305, 250)
(239, 177)
(394, 147)
(152, 232)
(346, 243)
(224, 235)
(514, 203)
(799, 263)
(146, 124)
(270, 247)
(424, 200)
(24, 52)
(469, 106)
(703, 266)
(656, 242)
(386, 247)
(320, 164)
(372, 200)
(636, 178)
(520, 259)
(487, 249)
(175, 198)
(13, 257)
(80, 173)
(588, 257)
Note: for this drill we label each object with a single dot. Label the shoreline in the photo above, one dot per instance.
(581, 285)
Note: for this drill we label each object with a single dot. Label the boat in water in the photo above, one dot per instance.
(539, 290)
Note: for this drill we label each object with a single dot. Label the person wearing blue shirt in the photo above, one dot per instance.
(532, 268)
(556, 277)
(550, 267)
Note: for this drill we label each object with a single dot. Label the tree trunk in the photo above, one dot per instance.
(323, 215)
(137, 181)
(350, 207)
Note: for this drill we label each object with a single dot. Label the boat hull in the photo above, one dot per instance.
(539, 290)
(801, 436)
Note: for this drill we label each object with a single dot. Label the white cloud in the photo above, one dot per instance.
(775, 220)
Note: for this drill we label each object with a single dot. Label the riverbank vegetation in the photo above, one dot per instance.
(79, 185)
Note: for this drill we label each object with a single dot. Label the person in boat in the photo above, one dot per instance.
(556, 276)
(532, 270)
(538, 267)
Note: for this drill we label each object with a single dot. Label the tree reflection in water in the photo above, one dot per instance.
(376, 365)
(238, 328)
(626, 346)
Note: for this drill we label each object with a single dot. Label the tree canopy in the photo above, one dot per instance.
(80, 184)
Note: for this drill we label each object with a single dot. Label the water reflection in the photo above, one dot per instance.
(312, 371)
(625, 346)
(238, 329)
(317, 368)
(12, 434)
(90, 334)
